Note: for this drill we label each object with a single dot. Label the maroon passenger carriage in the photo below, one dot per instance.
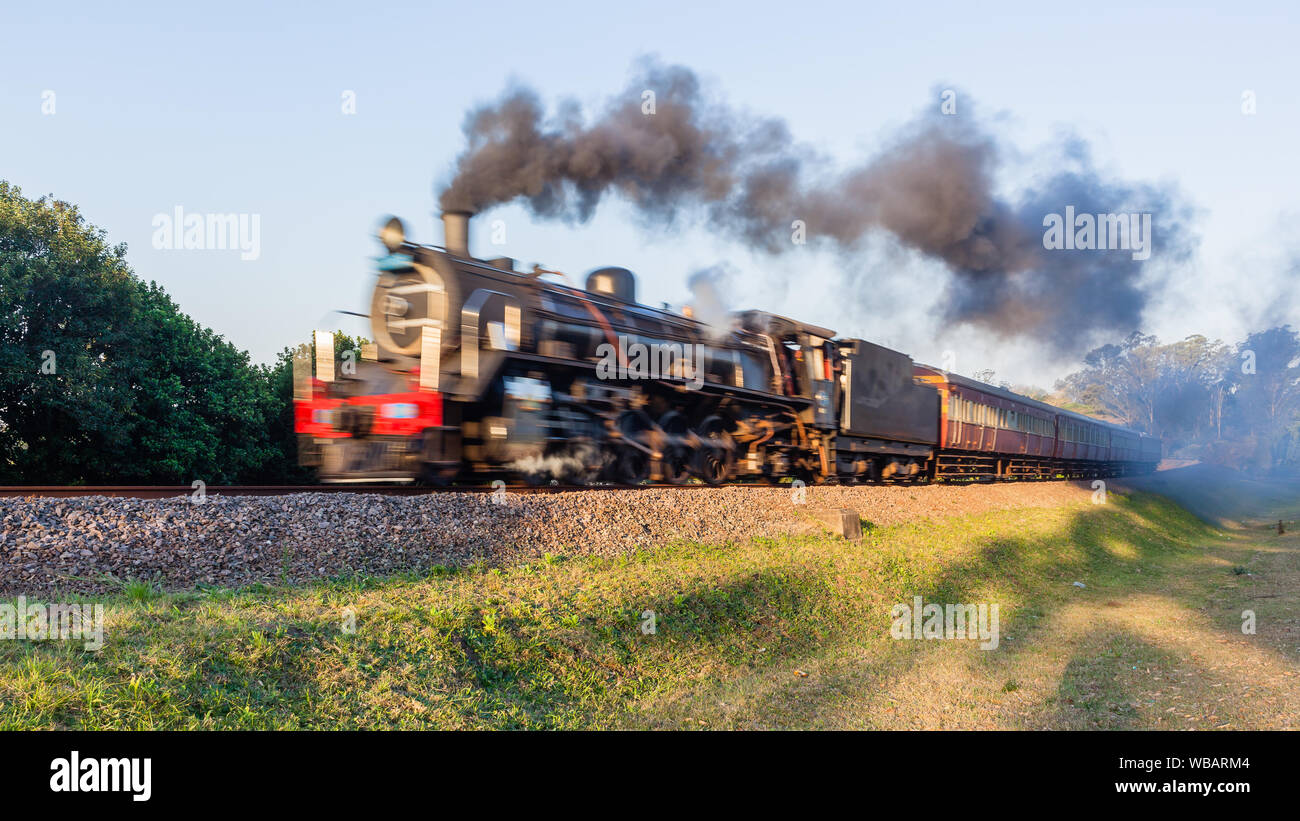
(990, 432)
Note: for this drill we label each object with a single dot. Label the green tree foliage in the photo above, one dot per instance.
(104, 380)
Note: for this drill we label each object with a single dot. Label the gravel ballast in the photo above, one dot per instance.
(91, 544)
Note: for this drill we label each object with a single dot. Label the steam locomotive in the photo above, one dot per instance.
(479, 369)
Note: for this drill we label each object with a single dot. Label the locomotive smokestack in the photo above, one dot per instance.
(455, 230)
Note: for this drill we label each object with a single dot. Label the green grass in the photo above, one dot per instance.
(558, 643)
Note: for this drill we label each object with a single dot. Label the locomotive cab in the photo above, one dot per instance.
(805, 362)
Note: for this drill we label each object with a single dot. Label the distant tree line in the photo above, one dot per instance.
(103, 380)
(1231, 404)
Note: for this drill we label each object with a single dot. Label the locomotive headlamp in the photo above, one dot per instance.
(400, 410)
(393, 234)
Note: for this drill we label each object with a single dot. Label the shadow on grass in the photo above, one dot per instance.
(1091, 694)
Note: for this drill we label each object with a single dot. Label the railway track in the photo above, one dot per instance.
(171, 491)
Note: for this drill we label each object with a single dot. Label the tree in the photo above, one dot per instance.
(102, 378)
(1119, 380)
(1166, 390)
(1224, 403)
(1267, 396)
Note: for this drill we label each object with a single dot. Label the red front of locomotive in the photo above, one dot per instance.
(376, 425)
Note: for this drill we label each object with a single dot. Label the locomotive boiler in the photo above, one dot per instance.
(479, 369)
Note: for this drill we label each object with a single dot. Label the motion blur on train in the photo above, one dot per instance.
(479, 370)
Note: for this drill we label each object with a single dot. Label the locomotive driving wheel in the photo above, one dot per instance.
(675, 463)
(713, 461)
(631, 461)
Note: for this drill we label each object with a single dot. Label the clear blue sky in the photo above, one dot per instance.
(235, 107)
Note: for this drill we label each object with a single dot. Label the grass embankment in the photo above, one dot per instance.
(790, 632)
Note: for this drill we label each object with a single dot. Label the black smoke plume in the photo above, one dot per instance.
(931, 188)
